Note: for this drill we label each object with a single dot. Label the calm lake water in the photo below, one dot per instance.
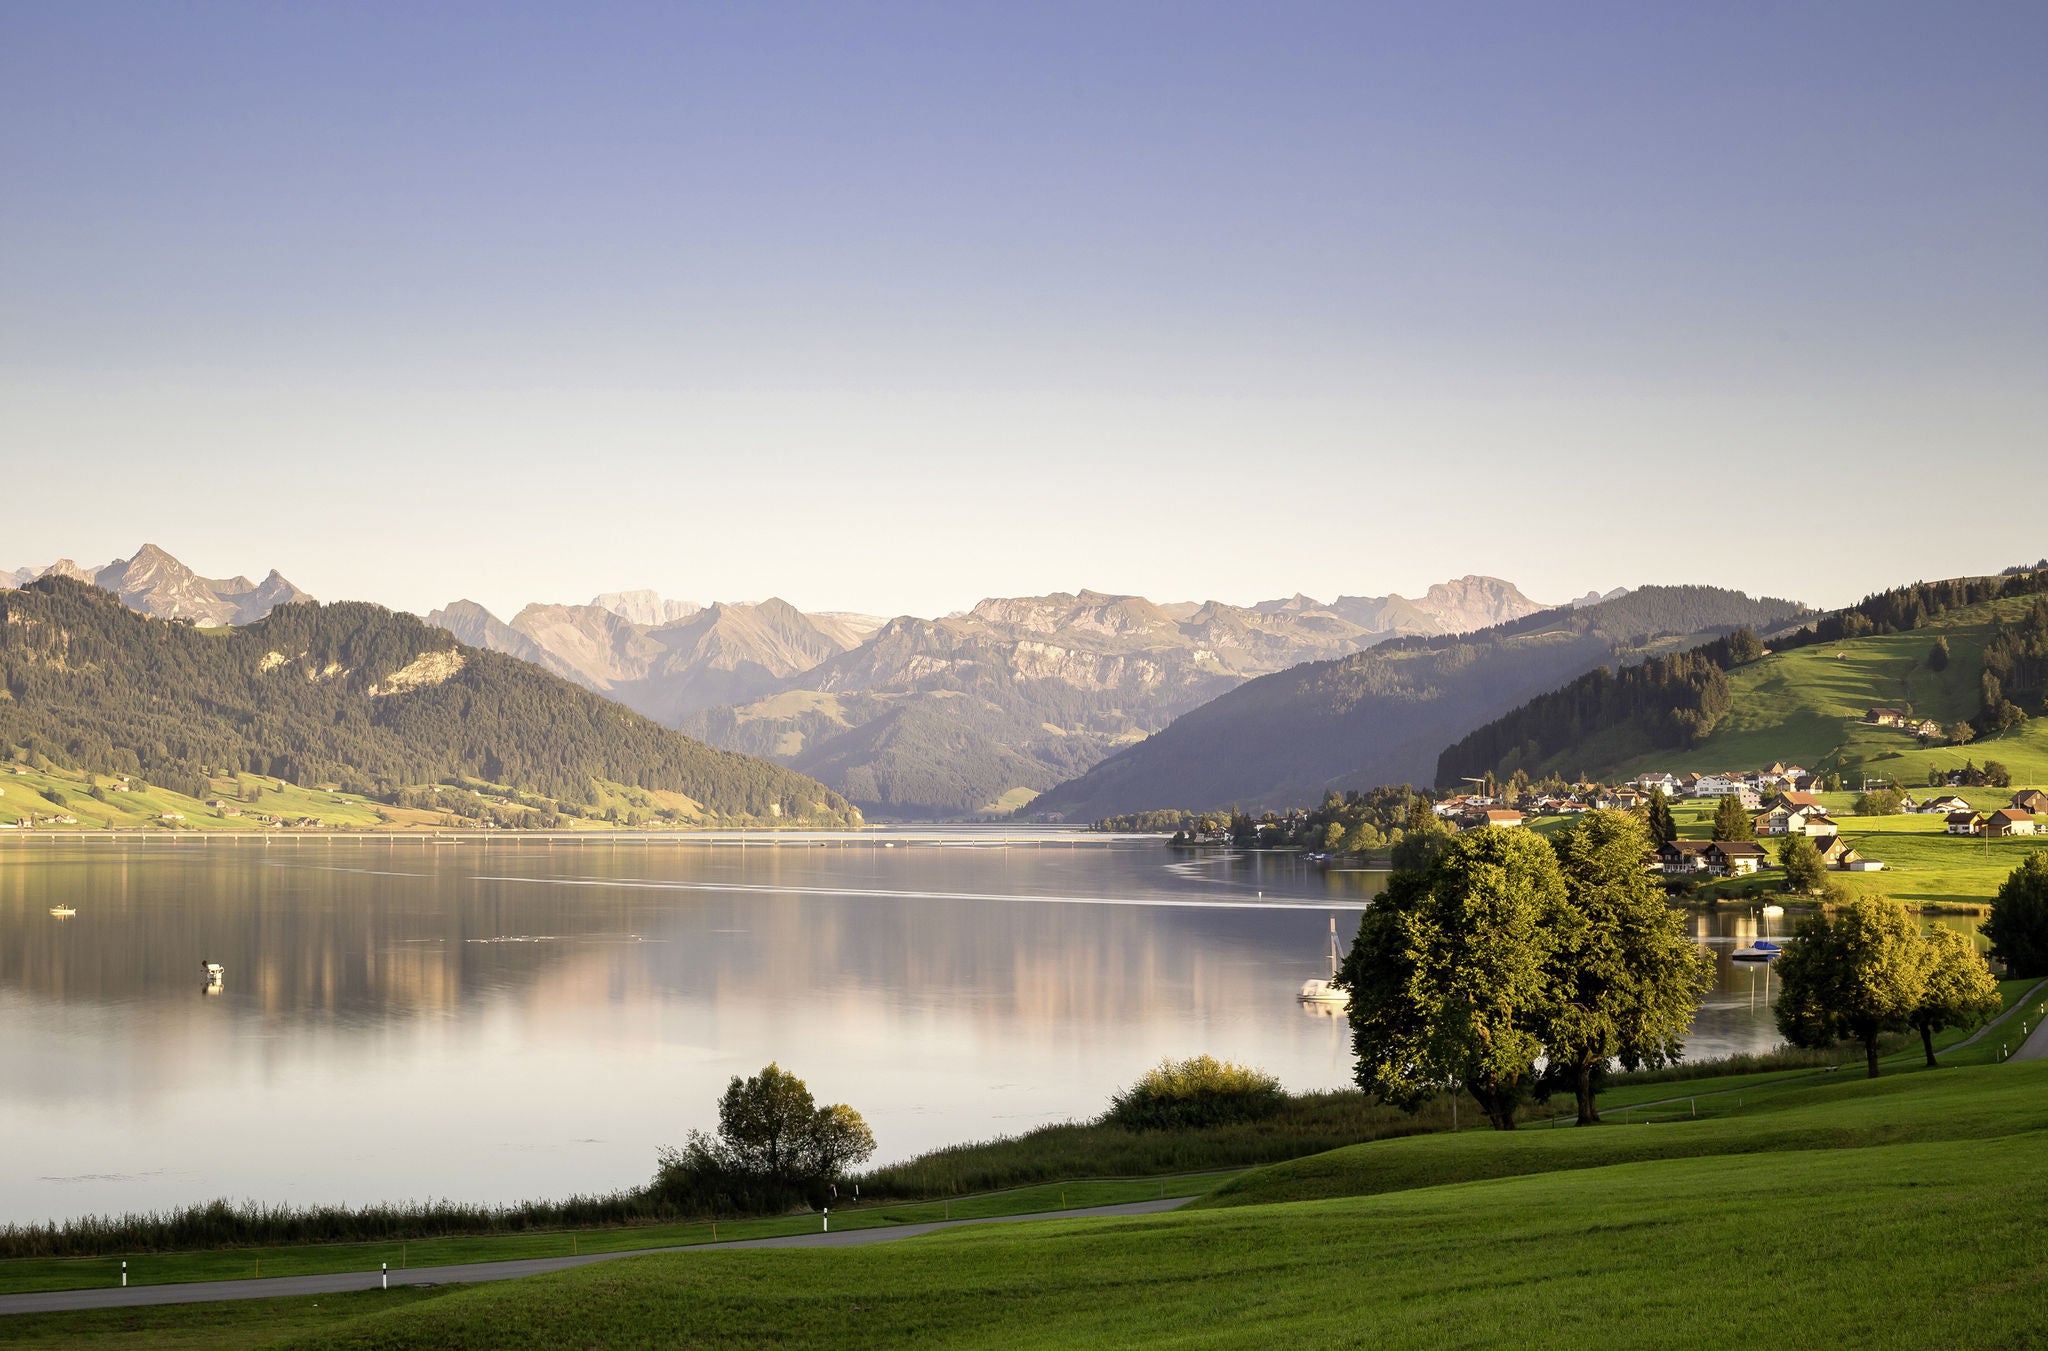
(512, 1020)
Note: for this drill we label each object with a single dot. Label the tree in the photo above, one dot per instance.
(1961, 733)
(2018, 926)
(1937, 656)
(1804, 870)
(1879, 802)
(1996, 775)
(769, 1127)
(1448, 975)
(1961, 991)
(1626, 979)
(1852, 978)
(1732, 820)
(1663, 830)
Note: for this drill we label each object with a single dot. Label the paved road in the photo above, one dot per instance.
(2035, 1047)
(202, 1292)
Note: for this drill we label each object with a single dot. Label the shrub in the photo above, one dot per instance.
(1200, 1091)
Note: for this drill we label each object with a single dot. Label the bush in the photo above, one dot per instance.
(1200, 1091)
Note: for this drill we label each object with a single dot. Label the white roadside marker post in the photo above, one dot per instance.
(387, 1276)
(828, 1220)
(124, 1275)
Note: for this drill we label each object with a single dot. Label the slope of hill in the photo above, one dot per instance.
(1808, 704)
(350, 694)
(157, 584)
(1382, 715)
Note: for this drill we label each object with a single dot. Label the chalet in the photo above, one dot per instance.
(1836, 853)
(1650, 783)
(1886, 717)
(1683, 856)
(1734, 858)
(1805, 782)
(1628, 798)
(1805, 820)
(1491, 816)
(2008, 821)
(1943, 805)
(1795, 800)
(1965, 823)
(1927, 727)
(2031, 800)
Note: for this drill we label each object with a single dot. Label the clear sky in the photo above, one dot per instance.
(890, 307)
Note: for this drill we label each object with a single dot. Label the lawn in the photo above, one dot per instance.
(1602, 1238)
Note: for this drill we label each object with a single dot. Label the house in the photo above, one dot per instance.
(1886, 717)
(1807, 820)
(1805, 782)
(1945, 804)
(1797, 799)
(1683, 856)
(1927, 727)
(1717, 785)
(1836, 853)
(1965, 823)
(1491, 816)
(1650, 783)
(2008, 821)
(1734, 858)
(2031, 800)
(1629, 799)
(170, 816)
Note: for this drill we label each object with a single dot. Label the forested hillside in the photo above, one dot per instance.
(350, 694)
(1969, 655)
(1382, 716)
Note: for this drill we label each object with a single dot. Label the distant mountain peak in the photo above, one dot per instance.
(647, 608)
(155, 582)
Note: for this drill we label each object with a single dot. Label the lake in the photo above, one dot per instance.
(501, 1019)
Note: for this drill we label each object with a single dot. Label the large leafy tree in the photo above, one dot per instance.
(1960, 990)
(1732, 820)
(2018, 926)
(1625, 977)
(1449, 975)
(769, 1127)
(1804, 870)
(1852, 978)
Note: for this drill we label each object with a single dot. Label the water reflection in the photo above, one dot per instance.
(396, 1020)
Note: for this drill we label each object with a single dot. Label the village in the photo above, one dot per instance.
(1783, 800)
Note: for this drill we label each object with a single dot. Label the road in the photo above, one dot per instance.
(202, 1292)
(2035, 1047)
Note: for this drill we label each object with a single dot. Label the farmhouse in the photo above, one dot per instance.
(1965, 823)
(1945, 804)
(1886, 717)
(1734, 858)
(2031, 800)
(1492, 816)
(2008, 821)
(1683, 856)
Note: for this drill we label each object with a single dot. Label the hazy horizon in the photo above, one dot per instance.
(886, 308)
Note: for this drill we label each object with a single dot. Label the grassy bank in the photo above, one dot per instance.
(1926, 1237)
(1308, 1123)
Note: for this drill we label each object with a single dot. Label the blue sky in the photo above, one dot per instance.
(889, 307)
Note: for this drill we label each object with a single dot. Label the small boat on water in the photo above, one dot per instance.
(1326, 992)
(1760, 951)
(63, 911)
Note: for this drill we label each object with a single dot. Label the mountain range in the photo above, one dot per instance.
(1382, 716)
(970, 712)
(157, 584)
(977, 711)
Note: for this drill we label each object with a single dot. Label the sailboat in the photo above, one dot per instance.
(1327, 992)
(1763, 949)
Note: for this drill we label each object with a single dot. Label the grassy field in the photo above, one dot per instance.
(1901, 1212)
